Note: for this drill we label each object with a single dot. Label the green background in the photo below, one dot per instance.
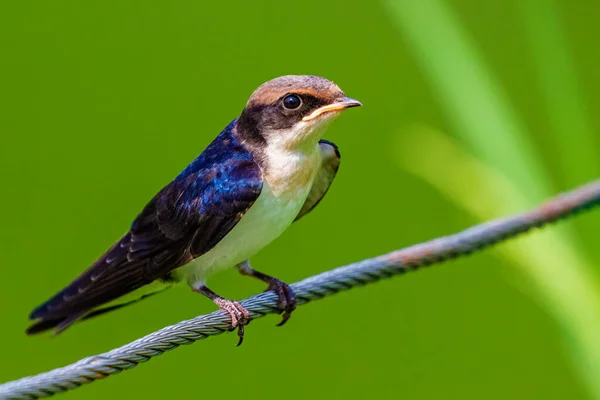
(103, 102)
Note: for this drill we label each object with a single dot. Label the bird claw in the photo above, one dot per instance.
(240, 317)
(286, 296)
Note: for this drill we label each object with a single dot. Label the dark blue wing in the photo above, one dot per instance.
(183, 221)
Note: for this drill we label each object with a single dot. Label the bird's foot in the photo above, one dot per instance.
(240, 317)
(286, 296)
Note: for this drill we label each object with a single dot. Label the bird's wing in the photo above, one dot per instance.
(331, 162)
(183, 221)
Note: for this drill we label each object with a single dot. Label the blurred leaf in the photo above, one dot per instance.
(575, 142)
(473, 101)
(512, 177)
(560, 277)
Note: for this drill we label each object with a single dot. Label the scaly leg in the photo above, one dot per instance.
(239, 315)
(287, 298)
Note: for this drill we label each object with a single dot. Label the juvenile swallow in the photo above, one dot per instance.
(265, 170)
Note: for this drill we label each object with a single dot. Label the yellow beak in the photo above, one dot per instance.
(338, 106)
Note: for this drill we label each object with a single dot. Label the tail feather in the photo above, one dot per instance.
(59, 324)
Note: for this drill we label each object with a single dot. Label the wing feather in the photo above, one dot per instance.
(331, 162)
(183, 221)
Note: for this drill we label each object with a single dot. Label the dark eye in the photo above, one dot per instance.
(291, 101)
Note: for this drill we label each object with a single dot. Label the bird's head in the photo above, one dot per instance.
(292, 112)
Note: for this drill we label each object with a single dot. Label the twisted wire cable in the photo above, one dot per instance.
(316, 287)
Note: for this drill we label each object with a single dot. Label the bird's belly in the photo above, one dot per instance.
(266, 219)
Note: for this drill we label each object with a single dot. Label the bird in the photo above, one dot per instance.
(268, 168)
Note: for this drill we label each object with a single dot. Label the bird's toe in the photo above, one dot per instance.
(240, 317)
(286, 297)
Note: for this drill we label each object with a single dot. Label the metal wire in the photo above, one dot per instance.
(316, 287)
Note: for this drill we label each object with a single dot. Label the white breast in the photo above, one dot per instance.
(278, 204)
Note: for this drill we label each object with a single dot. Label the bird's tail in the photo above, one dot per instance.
(59, 324)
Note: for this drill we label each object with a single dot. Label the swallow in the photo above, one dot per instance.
(268, 168)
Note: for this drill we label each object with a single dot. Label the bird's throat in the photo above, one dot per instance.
(290, 173)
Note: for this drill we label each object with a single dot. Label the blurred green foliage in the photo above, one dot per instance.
(104, 102)
(505, 173)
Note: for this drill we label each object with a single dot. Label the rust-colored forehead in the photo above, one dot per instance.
(269, 92)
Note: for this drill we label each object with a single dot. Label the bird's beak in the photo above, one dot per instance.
(337, 106)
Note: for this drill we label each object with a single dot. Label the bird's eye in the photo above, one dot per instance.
(292, 101)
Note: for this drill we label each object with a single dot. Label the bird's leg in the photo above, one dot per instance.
(285, 294)
(239, 315)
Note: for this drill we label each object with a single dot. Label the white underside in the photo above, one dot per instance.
(271, 214)
(286, 185)
(266, 219)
